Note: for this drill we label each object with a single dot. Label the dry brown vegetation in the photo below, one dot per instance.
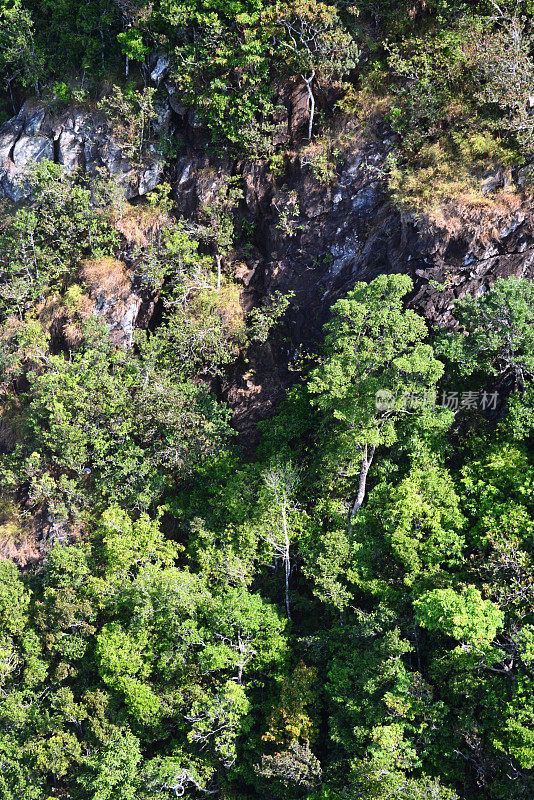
(364, 106)
(65, 314)
(481, 217)
(140, 224)
(467, 192)
(227, 303)
(107, 277)
(18, 542)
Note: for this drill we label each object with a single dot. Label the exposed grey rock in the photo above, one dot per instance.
(32, 149)
(174, 100)
(347, 231)
(491, 182)
(161, 69)
(70, 150)
(120, 315)
(149, 178)
(77, 139)
(9, 133)
(118, 299)
(33, 123)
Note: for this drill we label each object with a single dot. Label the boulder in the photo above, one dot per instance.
(120, 315)
(79, 140)
(32, 149)
(161, 69)
(71, 151)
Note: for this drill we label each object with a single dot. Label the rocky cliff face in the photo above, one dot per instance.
(312, 236)
(317, 238)
(78, 139)
(82, 141)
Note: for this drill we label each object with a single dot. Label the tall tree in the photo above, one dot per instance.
(311, 41)
(377, 376)
(280, 484)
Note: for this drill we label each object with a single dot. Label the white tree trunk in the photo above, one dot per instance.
(287, 563)
(308, 82)
(367, 460)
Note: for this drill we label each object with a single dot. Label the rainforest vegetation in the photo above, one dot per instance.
(343, 610)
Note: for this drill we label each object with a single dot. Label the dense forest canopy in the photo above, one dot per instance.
(343, 610)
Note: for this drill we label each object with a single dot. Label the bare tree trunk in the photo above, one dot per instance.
(142, 137)
(126, 67)
(218, 260)
(287, 563)
(367, 460)
(240, 665)
(417, 648)
(308, 82)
